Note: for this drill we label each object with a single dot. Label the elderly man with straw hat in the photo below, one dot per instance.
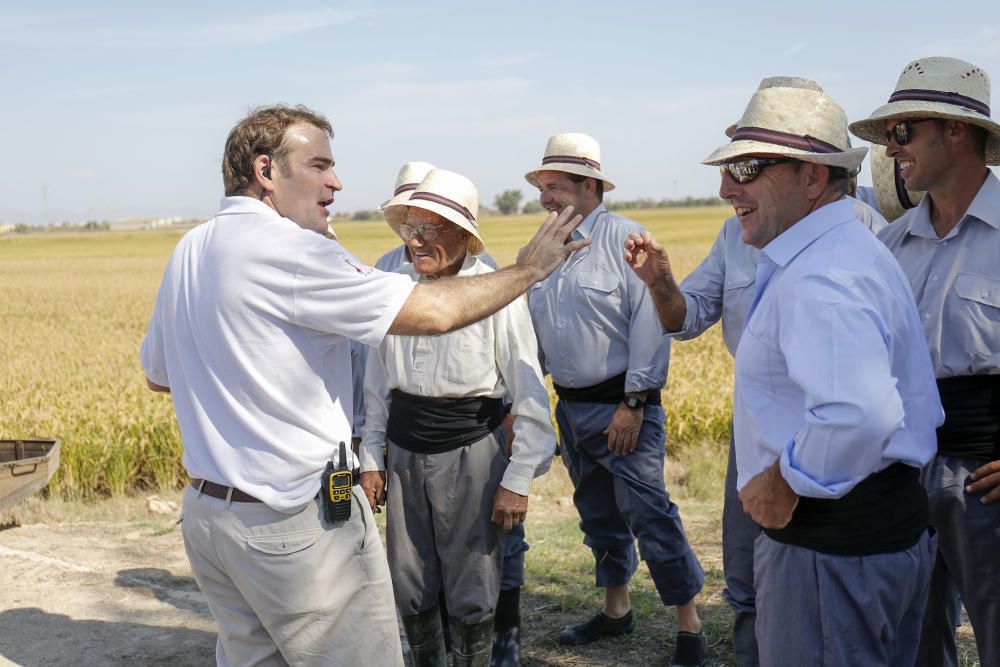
(437, 402)
(834, 404)
(937, 127)
(593, 321)
(722, 287)
(507, 620)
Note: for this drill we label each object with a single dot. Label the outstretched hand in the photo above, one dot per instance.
(551, 244)
(647, 257)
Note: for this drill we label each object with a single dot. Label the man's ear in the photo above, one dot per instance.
(817, 176)
(262, 172)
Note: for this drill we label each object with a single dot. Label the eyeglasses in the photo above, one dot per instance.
(744, 171)
(902, 131)
(426, 231)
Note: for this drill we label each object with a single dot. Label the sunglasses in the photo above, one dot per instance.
(902, 132)
(426, 231)
(744, 171)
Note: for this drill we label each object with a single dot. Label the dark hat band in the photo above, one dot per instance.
(916, 95)
(405, 187)
(805, 143)
(444, 201)
(572, 159)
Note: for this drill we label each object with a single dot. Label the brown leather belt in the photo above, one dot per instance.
(222, 492)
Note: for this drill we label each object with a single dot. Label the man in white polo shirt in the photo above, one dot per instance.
(250, 336)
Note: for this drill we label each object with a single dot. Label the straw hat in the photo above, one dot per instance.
(793, 117)
(891, 194)
(573, 153)
(410, 174)
(450, 195)
(937, 88)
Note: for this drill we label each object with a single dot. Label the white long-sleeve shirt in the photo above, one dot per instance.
(492, 357)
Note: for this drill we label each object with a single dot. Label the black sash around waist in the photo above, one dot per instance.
(884, 513)
(430, 425)
(611, 390)
(971, 416)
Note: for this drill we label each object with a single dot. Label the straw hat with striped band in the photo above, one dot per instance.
(890, 193)
(573, 153)
(937, 87)
(792, 117)
(450, 195)
(410, 175)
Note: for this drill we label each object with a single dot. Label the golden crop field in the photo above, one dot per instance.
(74, 308)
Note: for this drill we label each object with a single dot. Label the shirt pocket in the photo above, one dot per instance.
(980, 306)
(754, 370)
(736, 297)
(600, 289)
(468, 355)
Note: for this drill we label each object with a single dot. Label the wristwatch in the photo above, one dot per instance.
(633, 402)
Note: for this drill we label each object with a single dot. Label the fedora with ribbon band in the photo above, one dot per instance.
(573, 153)
(937, 87)
(791, 117)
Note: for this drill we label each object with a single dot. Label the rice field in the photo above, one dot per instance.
(74, 308)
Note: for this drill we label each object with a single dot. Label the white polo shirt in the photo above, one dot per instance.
(250, 331)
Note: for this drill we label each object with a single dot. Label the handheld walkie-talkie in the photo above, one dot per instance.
(336, 488)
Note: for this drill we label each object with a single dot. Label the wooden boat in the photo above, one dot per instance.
(26, 466)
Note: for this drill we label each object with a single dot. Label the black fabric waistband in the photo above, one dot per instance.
(611, 390)
(971, 416)
(884, 513)
(431, 425)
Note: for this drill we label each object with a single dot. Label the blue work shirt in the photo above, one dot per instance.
(833, 376)
(723, 284)
(956, 281)
(594, 318)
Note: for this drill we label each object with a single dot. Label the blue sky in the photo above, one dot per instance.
(122, 108)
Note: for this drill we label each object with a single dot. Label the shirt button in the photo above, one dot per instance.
(934, 279)
(927, 316)
(419, 364)
(985, 294)
(945, 242)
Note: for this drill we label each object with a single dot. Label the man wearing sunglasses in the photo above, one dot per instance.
(937, 127)
(834, 412)
(722, 287)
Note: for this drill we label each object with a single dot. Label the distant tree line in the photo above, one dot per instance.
(90, 226)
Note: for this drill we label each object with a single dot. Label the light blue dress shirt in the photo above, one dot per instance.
(833, 376)
(723, 284)
(956, 281)
(594, 318)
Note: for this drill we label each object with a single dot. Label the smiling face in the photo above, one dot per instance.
(442, 256)
(922, 160)
(770, 203)
(304, 182)
(556, 191)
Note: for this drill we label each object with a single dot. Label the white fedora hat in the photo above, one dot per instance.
(410, 175)
(890, 192)
(573, 153)
(450, 195)
(937, 87)
(793, 117)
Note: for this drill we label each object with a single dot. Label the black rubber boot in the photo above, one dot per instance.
(471, 645)
(507, 630)
(425, 635)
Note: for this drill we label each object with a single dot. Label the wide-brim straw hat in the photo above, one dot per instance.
(450, 195)
(890, 192)
(410, 175)
(937, 87)
(793, 117)
(573, 153)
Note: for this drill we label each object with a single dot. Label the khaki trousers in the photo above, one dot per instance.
(292, 589)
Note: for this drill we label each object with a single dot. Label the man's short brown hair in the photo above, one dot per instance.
(262, 132)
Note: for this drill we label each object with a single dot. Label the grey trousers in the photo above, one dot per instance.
(820, 609)
(968, 563)
(292, 589)
(738, 535)
(438, 530)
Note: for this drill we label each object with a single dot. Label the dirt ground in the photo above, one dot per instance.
(109, 584)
